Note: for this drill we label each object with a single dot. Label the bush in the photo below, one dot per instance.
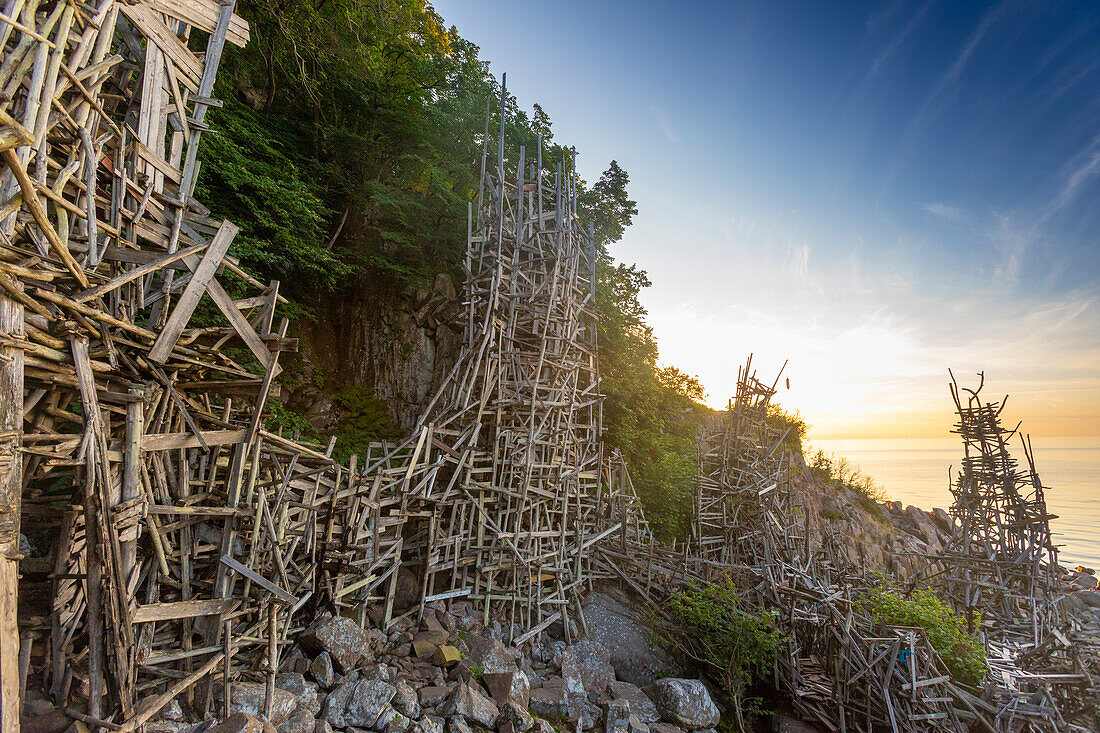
(832, 515)
(840, 473)
(962, 652)
(732, 643)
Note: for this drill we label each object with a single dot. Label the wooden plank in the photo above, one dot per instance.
(176, 441)
(11, 484)
(182, 609)
(259, 580)
(202, 276)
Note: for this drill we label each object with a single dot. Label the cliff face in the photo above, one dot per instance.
(400, 346)
(894, 541)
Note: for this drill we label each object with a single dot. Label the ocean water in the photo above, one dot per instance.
(916, 471)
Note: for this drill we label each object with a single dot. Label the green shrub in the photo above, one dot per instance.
(732, 643)
(962, 652)
(363, 420)
(840, 473)
(832, 515)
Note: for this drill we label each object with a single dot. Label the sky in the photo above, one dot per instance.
(877, 192)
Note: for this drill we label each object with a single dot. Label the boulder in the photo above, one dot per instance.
(337, 702)
(543, 726)
(301, 721)
(943, 520)
(663, 727)
(458, 725)
(322, 671)
(248, 698)
(428, 724)
(490, 655)
(685, 703)
(341, 637)
(306, 692)
(616, 715)
(367, 701)
(241, 722)
(405, 700)
(634, 724)
(467, 702)
(512, 686)
(322, 726)
(592, 662)
(446, 656)
(619, 629)
(640, 705)
(391, 721)
(433, 695)
(551, 701)
(1089, 597)
(516, 716)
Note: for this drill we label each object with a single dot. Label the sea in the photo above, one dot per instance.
(916, 471)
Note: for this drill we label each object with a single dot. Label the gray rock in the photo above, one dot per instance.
(248, 698)
(306, 692)
(405, 700)
(391, 721)
(943, 520)
(543, 726)
(467, 702)
(458, 725)
(516, 716)
(172, 711)
(592, 662)
(337, 702)
(341, 638)
(433, 695)
(619, 629)
(640, 705)
(366, 703)
(685, 703)
(322, 671)
(634, 724)
(551, 702)
(301, 721)
(322, 726)
(379, 671)
(490, 654)
(616, 715)
(512, 686)
(428, 724)
(1089, 597)
(664, 728)
(240, 722)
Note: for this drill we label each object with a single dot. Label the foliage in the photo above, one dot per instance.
(347, 148)
(832, 515)
(363, 420)
(840, 473)
(733, 643)
(962, 652)
(790, 422)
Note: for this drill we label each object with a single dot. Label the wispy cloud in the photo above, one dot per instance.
(944, 211)
(664, 126)
(892, 45)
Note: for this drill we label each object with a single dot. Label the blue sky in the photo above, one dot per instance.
(878, 191)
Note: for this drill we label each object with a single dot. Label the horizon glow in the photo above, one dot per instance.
(876, 191)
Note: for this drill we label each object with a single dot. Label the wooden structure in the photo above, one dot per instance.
(498, 483)
(163, 536)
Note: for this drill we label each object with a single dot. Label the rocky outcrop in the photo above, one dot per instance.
(685, 703)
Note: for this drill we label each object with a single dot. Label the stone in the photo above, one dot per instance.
(423, 649)
(466, 701)
(458, 725)
(446, 656)
(172, 711)
(664, 728)
(943, 520)
(512, 686)
(616, 715)
(428, 724)
(490, 655)
(634, 724)
(241, 722)
(786, 723)
(640, 705)
(1089, 597)
(301, 721)
(367, 701)
(433, 695)
(619, 629)
(517, 716)
(556, 700)
(322, 726)
(322, 671)
(379, 671)
(543, 726)
(248, 698)
(341, 637)
(391, 721)
(337, 702)
(306, 692)
(685, 703)
(405, 700)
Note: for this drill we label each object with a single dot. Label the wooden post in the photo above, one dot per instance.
(11, 481)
